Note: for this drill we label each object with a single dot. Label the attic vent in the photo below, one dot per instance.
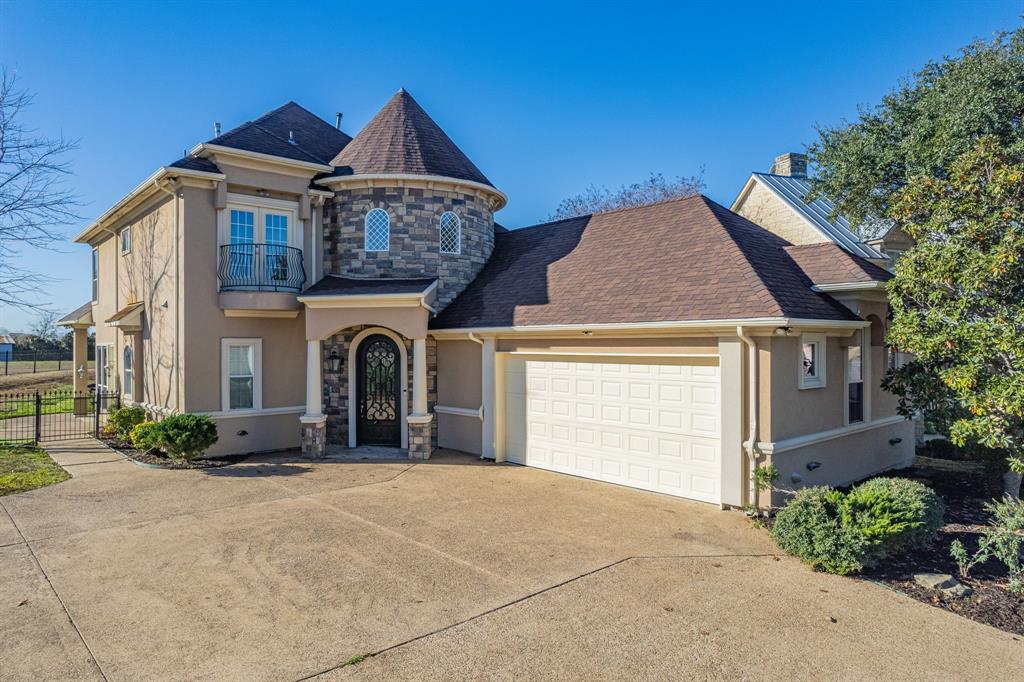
(337, 120)
(216, 129)
(291, 138)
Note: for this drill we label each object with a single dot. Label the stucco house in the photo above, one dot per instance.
(309, 289)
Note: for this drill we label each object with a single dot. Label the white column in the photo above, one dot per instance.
(487, 386)
(314, 383)
(419, 377)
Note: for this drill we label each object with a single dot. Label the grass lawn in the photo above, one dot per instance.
(24, 405)
(24, 467)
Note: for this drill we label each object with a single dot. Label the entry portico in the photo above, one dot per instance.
(359, 334)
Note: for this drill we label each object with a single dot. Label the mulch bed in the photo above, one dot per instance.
(165, 462)
(965, 488)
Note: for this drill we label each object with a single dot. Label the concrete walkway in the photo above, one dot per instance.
(285, 569)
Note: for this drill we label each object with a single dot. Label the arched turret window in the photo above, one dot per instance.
(451, 233)
(377, 230)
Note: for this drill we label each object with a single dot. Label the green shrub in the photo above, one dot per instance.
(1003, 539)
(844, 534)
(892, 515)
(811, 527)
(143, 436)
(185, 436)
(122, 420)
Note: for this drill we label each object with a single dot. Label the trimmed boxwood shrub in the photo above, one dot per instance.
(185, 436)
(122, 420)
(846, 533)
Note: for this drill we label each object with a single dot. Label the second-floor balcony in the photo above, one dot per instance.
(260, 267)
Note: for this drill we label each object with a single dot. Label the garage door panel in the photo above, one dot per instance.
(650, 426)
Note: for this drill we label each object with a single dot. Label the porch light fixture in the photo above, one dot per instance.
(333, 362)
(783, 331)
(81, 371)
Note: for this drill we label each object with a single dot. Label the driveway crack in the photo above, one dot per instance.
(60, 600)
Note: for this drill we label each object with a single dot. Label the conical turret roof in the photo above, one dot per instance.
(403, 139)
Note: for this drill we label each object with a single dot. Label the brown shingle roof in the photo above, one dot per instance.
(403, 139)
(681, 260)
(335, 285)
(314, 139)
(828, 263)
(76, 314)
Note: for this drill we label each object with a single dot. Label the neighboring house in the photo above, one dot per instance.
(6, 346)
(309, 289)
(778, 202)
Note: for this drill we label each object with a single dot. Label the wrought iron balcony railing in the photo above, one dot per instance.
(261, 267)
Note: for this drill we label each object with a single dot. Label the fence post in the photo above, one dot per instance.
(58, 360)
(39, 418)
(7, 364)
(96, 427)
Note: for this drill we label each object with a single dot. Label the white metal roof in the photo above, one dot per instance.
(794, 191)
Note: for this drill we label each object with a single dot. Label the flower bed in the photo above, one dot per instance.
(161, 460)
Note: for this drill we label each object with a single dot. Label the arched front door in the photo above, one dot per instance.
(378, 410)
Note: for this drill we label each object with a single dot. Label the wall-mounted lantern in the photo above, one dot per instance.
(333, 362)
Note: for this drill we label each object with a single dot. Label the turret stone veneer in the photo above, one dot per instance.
(415, 222)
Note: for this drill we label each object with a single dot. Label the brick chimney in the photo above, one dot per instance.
(791, 164)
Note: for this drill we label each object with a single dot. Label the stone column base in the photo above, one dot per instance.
(420, 447)
(313, 436)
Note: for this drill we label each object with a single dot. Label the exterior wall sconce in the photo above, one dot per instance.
(333, 362)
(783, 331)
(81, 371)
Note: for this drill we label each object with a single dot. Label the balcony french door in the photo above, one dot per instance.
(262, 250)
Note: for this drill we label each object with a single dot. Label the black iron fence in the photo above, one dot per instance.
(54, 415)
(31, 361)
(261, 267)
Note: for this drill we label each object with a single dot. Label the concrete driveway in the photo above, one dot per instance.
(286, 570)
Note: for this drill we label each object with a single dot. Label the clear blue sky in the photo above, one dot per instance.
(545, 98)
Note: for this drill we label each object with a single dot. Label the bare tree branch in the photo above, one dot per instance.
(34, 204)
(656, 188)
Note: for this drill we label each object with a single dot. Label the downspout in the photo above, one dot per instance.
(177, 297)
(750, 444)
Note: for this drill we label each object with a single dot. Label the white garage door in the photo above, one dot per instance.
(651, 425)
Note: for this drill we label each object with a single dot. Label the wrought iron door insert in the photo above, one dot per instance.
(378, 409)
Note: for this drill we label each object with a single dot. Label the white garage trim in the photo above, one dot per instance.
(649, 422)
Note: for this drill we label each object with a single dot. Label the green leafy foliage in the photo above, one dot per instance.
(1002, 539)
(764, 477)
(844, 534)
(122, 420)
(185, 436)
(958, 300)
(922, 127)
(143, 435)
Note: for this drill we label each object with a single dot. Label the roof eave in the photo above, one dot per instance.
(719, 327)
(356, 178)
(205, 149)
(140, 193)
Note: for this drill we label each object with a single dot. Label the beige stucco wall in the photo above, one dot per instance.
(459, 385)
(845, 460)
(762, 207)
(262, 434)
(283, 339)
(146, 274)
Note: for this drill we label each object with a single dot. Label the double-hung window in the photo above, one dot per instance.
(855, 381)
(241, 368)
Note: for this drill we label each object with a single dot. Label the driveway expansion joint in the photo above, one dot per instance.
(527, 597)
(60, 600)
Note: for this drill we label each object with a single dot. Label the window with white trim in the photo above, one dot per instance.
(241, 368)
(377, 228)
(259, 231)
(95, 273)
(812, 360)
(451, 233)
(102, 366)
(126, 240)
(855, 380)
(127, 368)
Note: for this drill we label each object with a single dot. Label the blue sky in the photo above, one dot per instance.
(545, 98)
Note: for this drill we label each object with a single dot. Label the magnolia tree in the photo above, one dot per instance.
(958, 300)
